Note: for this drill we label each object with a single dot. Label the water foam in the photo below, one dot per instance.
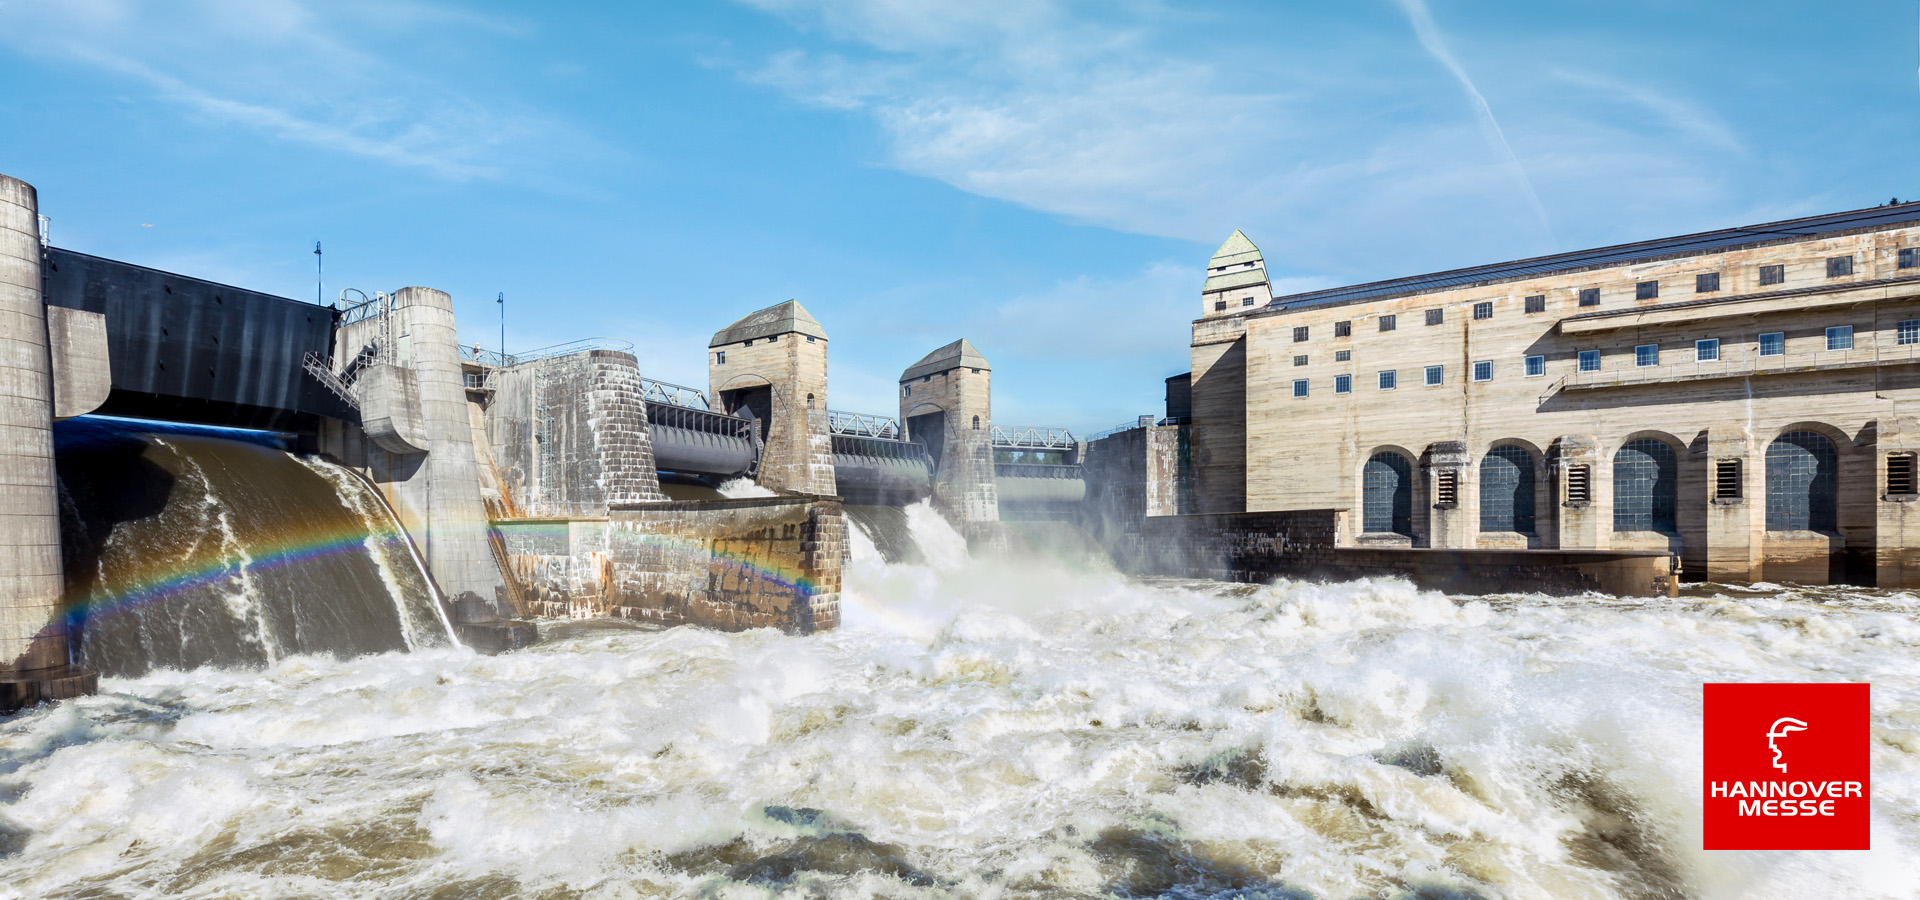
(979, 728)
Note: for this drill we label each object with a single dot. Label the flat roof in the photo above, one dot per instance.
(1621, 254)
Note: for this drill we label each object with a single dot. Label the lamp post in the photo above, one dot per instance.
(502, 300)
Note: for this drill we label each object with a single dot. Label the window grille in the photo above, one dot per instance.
(1219, 306)
(1802, 483)
(1589, 360)
(1483, 309)
(1299, 387)
(1840, 337)
(1483, 370)
(1839, 266)
(1299, 333)
(1387, 322)
(1342, 355)
(1773, 275)
(1447, 489)
(1246, 301)
(1436, 316)
(1343, 329)
(1299, 360)
(1536, 365)
(1589, 296)
(1726, 479)
(1386, 498)
(1436, 374)
(1579, 484)
(1343, 384)
(1900, 469)
(1644, 487)
(1908, 331)
(1537, 303)
(1506, 490)
(1387, 380)
(1706, 283)
(976, 421)
(1706, 350)
(1773, 343)
(1646, 290)
(1910, 258)
(1646, 354)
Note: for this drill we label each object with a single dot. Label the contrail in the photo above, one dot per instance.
(1430, 38)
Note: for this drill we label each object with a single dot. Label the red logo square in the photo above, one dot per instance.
(1787, 766)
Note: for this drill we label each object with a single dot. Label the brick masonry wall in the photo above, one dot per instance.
(727, 564)
(595, 420)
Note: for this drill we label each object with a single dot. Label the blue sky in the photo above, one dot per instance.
(1044, 178)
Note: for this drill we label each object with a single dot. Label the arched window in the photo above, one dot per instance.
(1506, 490)
(1386, 498)
(1644, 487)
(809, 401)
(976, 423)
(1802, 469)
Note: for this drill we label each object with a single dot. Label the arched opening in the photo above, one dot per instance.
(976, 423)
(1506, 490)
(1803, 483)
(1645, 487)
(809, 401)
(1386, 494)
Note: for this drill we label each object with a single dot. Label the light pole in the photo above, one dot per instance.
(502, 300)
(319, 276)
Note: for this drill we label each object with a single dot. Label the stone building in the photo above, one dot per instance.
(1733, 396)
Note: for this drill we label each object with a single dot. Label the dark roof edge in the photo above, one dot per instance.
(120, 262)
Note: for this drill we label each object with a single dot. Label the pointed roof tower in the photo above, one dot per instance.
(952, 356)
(781, 318)
(1237, 264)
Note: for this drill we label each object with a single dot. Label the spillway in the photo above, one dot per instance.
(189, 546)
(979, 728)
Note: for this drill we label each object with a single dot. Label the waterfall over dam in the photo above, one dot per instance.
(191, 546)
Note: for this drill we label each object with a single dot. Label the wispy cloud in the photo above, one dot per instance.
(292, 70)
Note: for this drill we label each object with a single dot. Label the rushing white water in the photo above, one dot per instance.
(978, 728)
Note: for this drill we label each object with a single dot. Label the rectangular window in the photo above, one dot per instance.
(1773, 275)
(810, 340)
(1299, 387)
(1646, 290)
(1579, 484)
(1342, 329)
(1726, 479)
(1900, 472)
(1342, 355)
(1707, 283)
(1299, 333)
(1910, 258)
(1536, 365)
(1219, 305)
(1646, 354)
(1773, 343)
(1387, 322)
(1436, 375)
(1299, 360)
(1706, 350)
(1447, 489)
(1840, 337)
(1537, 303)
(1839, 266)
(1589, 360)
(1483, 370)
(1436, 316)
(720, 359)
(1343, 384)
(1908, 332)
(1589, 296)
(1483, 310)
(1246, 301)
(1386, 379)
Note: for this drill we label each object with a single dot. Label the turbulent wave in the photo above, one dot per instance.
(979, 728)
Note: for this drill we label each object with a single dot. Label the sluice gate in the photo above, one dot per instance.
(875, 464)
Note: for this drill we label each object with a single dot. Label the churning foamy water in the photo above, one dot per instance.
(978, 729)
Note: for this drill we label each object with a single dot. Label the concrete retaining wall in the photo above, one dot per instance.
(771, 562)
(569, 436)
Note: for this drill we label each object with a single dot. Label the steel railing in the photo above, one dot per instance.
(1032, 437)
(657, 391)
(865, 425)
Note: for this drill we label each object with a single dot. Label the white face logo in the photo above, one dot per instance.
(1781, 727)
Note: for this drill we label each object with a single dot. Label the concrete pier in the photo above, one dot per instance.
(771, 366)
(33, 629)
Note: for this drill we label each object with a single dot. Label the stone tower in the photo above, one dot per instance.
(1236, 282)
(771, 366)
(946, 403)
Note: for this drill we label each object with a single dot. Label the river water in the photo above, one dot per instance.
(979, 728)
